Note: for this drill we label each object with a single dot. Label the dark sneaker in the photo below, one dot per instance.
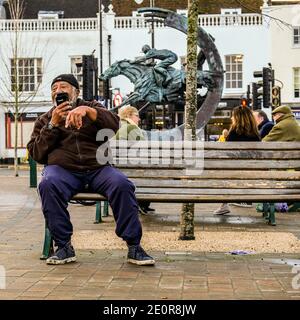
(149, 209)
(146, 211)
(137, 255)
(63, 255)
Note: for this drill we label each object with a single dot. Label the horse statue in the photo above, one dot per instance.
(144, 78)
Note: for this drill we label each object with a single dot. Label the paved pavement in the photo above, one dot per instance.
(104, 274)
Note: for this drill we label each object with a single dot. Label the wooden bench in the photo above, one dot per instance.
(233, 172)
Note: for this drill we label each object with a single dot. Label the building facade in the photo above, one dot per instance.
(285, 51)
(50, 45)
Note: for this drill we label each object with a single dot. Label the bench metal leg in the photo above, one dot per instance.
(48, 245)
(265, 212)
(295, 207)
(105, 209)
(272, 221)
(98, 218)
(269, 213)
(33, 173)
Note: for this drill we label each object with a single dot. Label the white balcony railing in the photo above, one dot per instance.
(134, 23)
(208, 20)
(49, 25)
(218, 20)
(123, 23)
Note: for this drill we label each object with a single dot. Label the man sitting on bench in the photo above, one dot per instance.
(65, 140)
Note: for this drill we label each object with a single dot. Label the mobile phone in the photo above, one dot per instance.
(61, 97)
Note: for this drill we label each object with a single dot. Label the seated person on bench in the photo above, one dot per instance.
(65, 140)
(130, 130)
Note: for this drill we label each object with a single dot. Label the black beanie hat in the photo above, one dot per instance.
(67, 78)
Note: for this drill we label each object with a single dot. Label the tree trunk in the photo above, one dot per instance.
(16, 96)
(16, 166)
(187, 214)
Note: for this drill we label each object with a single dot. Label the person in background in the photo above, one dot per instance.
(243, 128)
(130, 130)
(286, 127)
(264, 125)
(224, 135)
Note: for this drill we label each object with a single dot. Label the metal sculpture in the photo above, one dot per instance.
(147, 87)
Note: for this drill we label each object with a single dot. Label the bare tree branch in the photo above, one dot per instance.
(247, 7)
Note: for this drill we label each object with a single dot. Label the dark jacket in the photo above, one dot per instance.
(265, 127)
(233, 136)
(70, 148)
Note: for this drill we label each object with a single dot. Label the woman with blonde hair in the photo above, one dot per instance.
(129, 129)
(243, 128)
(223, 136)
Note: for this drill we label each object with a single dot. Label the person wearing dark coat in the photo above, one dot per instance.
(65, 139)
(264, 125)
(243, 128)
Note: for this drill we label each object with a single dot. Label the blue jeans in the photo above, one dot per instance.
(59, 185)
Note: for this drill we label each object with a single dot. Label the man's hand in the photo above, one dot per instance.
(60, 113)
(75, 116)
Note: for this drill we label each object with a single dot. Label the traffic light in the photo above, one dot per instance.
(104, 88)
(89, 78)
(267, 80)
(244, 102)
(267, 75)
(257, 95)
(276, 97)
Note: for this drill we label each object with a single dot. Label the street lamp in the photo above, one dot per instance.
(152, 5)
(101, 40)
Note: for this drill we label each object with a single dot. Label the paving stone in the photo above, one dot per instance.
(105, 274)
(269, 285)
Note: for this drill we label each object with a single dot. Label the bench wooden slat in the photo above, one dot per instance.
(252, 164)
(252, 146)
(252, 154)
(213, 184)
(216, 164)
(211, 154)
(212, 174)
(184, 198)
(216, 191)
(212, 145)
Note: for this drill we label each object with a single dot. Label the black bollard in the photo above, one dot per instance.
(33, 174)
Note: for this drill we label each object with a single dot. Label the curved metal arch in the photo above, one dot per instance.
(206, 43)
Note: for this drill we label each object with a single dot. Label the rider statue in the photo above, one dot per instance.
(167, 57)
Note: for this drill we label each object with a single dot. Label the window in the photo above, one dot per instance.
(25, 127)
(297, 82)
(76, 69)
(234, 71)
(50, 14)
(296, 35)
(231, 17)
(231, 11)
(26, 74)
